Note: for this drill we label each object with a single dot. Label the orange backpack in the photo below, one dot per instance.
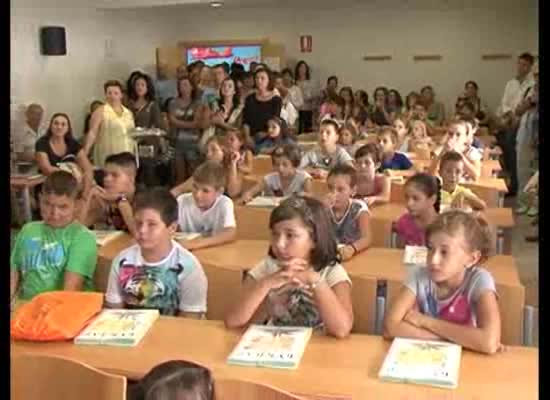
(59, 315)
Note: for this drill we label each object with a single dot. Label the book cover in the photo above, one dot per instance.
(415, 255)
(118, 327)
(271, 347)
(265, 201)
(422, 362)
(102, 237)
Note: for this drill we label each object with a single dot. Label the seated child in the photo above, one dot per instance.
(392, 159)
(372, 187)
(350, 217)
(112, 205)
(327, 154)
(286, 178)
(176, 379)
(459, 139)
(400, 126)
(454, 298)
(419, 142)
(451, 169)
(422, 199)
(157, 262)
(277, 135)
(217, 152)
(239, 147)
(300, 282)
(57, 253)
(348, 138)
(207, 210)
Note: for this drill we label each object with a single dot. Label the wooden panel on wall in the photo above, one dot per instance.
(428, 57)
(488, 57)
(171, 57)
(377, 58)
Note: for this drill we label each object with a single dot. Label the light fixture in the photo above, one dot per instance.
(216, 3)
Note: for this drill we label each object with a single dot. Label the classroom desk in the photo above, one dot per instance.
(25, 184)
(501, 218)
(329, 366)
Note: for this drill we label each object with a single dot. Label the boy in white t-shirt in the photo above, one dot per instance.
(157, 272)
(206, 210)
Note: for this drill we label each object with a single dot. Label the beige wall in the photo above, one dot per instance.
(340, 39)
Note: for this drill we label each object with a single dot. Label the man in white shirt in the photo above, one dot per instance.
(515, 92)
(27, 136)
(288, 110)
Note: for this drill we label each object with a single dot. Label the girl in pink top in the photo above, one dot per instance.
(422, 197)
(372, 187)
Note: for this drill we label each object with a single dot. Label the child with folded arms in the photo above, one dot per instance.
(318, 161)
(454, 297)
(206, 210)
(286, 179)
(350, 217)
(301, 282)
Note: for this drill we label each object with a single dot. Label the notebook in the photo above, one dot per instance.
(118, 327)
(422, 362)
(102, 237)
(271, 347)
(415, 255)
(265, 201)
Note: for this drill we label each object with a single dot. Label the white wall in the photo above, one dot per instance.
(340, 39)
(60, 83)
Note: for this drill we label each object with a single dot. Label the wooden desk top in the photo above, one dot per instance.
(499, 217)
(376, 262)
(497, 184)
(329, 366)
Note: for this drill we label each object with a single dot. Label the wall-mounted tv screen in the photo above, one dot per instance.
(212, 55)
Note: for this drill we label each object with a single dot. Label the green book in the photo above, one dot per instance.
(271, 347)
(422, 362)
(118, 327)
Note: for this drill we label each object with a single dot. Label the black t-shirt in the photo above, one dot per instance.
(256, 113)
(73, 147)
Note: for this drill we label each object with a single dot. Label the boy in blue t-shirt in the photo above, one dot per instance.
(392, 159)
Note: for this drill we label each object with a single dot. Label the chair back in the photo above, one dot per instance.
(252, 223)
(229, 389)
(35, 376)
(363, 296)
(224, 287)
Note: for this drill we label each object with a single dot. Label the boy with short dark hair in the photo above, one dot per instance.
(391, 158)
(112, 205)
(157, 272)
(206, 210)
(57, 253)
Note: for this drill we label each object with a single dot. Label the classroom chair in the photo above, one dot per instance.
(224, 287)
(35, 376)
(262, 165)
(229, 389)
(363, 296)
(252, 223)
(319, 188)
(381, 231)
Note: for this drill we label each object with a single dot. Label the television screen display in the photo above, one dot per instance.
(212, 55)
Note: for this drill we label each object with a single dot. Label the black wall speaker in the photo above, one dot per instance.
(52, 39)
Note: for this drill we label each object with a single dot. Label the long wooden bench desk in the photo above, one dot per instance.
(347, 368)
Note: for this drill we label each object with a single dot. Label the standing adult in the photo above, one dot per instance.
(516, 90)
(110, 126)
(381, 115)
(261, 106)
(289, 113)
(309, 91)
(58, 150)
(211, 94)
(165, 87)
(295, 95)
(528, 130)
(471, 94)
(25, 138)
(143, 104)
(435, 109)
(188, 117)
(227, 111)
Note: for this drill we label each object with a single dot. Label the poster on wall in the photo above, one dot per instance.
(212, 55)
